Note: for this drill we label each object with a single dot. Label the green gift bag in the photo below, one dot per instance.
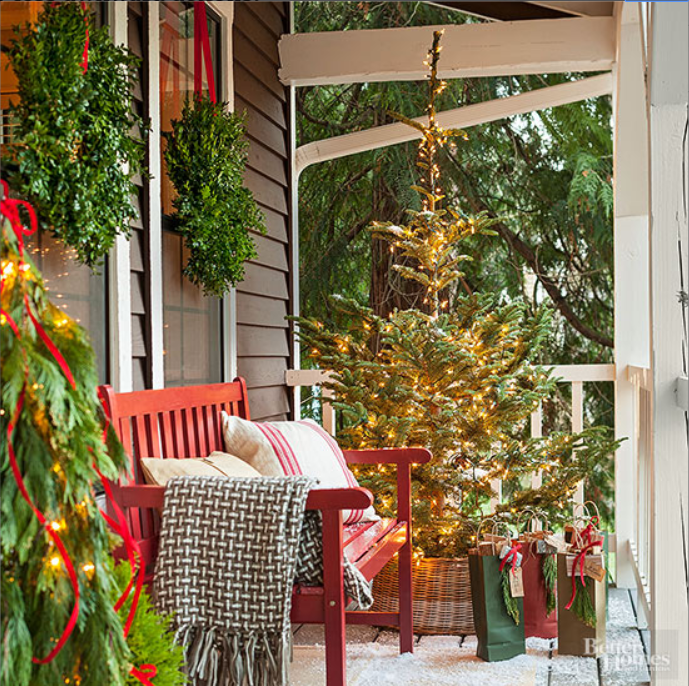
(499, 638)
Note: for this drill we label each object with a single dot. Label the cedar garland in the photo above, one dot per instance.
(510, 602)
(549, 566)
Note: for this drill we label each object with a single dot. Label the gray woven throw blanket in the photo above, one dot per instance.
(230, 551)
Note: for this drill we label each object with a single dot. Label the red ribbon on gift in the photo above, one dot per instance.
(511, 556)
(580, 561)
(202, 47)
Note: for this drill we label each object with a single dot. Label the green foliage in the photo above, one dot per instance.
(550, 577)
(72, 138)
(511, 604)
(151, 638)
(582, 606)
(57, 442)
(206, 157)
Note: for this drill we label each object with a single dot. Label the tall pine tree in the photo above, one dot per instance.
(456, 375)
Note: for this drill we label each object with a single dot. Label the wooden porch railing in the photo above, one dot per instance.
(575, 375)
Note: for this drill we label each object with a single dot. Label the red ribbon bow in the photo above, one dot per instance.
(512, 556)
(145, 673)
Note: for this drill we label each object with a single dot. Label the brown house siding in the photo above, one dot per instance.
(263, 350)
(138, 244)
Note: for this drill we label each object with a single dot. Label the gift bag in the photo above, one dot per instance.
(540, 592)
(500, 637)
(584, 511)
(581, 603)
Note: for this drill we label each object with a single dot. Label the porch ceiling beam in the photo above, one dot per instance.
(462, 118)
(584, 8)
(469, 50)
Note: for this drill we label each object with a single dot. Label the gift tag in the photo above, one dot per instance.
(557, 542)
(593, 566)
(516, 583)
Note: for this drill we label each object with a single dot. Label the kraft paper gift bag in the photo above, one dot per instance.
(576, 636)
(499, 637)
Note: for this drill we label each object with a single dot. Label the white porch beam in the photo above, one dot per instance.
(492, 49)
(461, 117)
(669, 58)
(631, 258)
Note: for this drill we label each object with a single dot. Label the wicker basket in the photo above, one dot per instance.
(442, 595)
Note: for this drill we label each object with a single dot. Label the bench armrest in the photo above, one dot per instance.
(400, 456)
(319, 499)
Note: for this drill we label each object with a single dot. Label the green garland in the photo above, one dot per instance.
(151, 638)
(510, 603)
(549, 566)
(206, 157)
(582, 606)
(72, 153)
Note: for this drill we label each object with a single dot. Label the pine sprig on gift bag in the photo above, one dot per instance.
(510, 603)
(550, 576)
(582, 606)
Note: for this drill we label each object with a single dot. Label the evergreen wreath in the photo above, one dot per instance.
(206, 158)
(72, 153)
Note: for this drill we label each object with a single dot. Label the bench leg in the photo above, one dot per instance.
(333, 586)
(406, 600)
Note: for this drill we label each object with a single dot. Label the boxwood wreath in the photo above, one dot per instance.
(206, 157)
(72, 153)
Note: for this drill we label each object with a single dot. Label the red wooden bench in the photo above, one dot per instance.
(185, 422)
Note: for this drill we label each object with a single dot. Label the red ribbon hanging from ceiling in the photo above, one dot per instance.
(202, 51)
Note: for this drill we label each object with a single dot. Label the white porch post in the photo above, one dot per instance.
(632, 334)
(669, 55)
(119, 306)
(229, 302)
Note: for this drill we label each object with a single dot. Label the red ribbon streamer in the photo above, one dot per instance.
(202, 45)
(511, 556)
(580, 560)
(85, 54)
(147, 671)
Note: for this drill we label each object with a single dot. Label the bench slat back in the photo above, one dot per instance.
(172, 423)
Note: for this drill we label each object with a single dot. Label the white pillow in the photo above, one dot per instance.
(291, 448)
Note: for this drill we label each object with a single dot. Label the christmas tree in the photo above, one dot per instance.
(458, 375)
(59, 624)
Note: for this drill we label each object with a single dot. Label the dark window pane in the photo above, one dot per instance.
(193, 332)
(75, 289)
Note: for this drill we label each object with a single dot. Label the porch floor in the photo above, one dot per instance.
(373, 659)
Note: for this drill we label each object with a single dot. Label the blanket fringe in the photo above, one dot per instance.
(216, 657)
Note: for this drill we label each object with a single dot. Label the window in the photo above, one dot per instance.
(192, 322)
(73, 287)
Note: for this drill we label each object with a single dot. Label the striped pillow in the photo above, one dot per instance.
(292, 448)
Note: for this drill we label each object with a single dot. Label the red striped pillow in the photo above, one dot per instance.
(292, 448)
